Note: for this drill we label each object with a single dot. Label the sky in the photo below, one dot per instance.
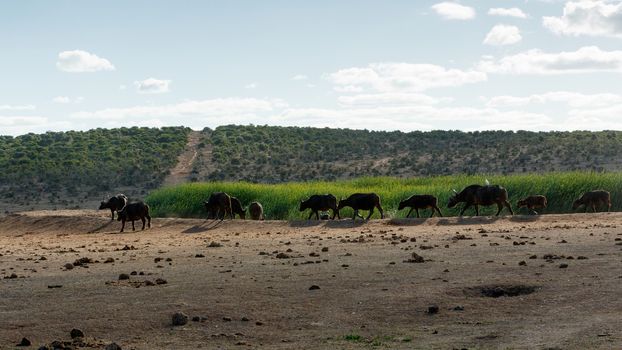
(404, 65)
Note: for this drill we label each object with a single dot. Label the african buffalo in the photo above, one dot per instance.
(132, 212)
(362, 201)
(218, 204)
(592, 199)
(115, 203)
(423, 201)
(532, 202)
(320, 202)
(477, 195)
(255, 209)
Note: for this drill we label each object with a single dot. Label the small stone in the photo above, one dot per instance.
(325, 249)
(458, 308)
(149, 283)
(161, 281)
(282, 256)
(124, 276)
(196, 319)
(563, 266)
(522, 263)
(199, 256)
(108, 260)
(314, 287)
(214, 245)
(432, 309)
(259, 323)
(180, 319)
(76, 333)
(245, 319)
(68, 266)
(226, 319)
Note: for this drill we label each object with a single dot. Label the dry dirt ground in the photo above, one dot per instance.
(247, 295)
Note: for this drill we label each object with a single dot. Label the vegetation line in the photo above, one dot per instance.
(280, 201)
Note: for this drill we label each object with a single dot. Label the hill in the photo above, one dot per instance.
(77, 169)
(69, 169)
(276, 154)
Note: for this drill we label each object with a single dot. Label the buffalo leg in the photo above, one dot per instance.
(371, 212)
(432, 212)
(335, 213)
(144, 221)
(356, 212)
(122, 225)
(317, 214)
(476, 210)
(112, 213)
(466, 206)
(499, 207)
(409, 212)
(417, 212)
(507, 204)
(593, 207)
(438, 210)
(133, 228)
(148, 220)
(380, 210)
(310, 215)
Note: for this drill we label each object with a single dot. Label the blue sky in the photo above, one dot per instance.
(382, 65)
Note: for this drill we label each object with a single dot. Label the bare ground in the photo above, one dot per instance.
(368, 296)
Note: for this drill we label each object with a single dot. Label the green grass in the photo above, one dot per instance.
(280, 201)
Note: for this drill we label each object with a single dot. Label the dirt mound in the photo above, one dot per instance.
(496, 291)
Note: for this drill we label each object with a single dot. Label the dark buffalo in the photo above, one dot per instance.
(423, 201)
(236, 208)
(115, 203)
(255, 209)
(218, 205)
(593, 199)
(476, 195)
(320, 202)
(132, 212)
(362, 201)
(533, 202)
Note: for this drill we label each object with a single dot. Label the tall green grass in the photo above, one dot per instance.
(280, 201)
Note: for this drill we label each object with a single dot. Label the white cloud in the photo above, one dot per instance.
(61, 99)
(571, 99)
(250, 86)
(584, 60)
(17, 108)
(389, 99)
(507, 12)
(401, 77)
(78, 61)
(66, 99)
(453, 11)
(587, 17)
(300, 77)
(152, 86)
(503, 35)
(9, 121)
(234, 109)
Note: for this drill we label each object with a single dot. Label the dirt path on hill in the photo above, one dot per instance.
(522, 282)
(181, 172)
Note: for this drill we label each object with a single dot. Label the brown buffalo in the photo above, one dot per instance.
(476, 195)
(218, 205)
(533, 202)
(593, 199)
(255, 209)
(132, 212)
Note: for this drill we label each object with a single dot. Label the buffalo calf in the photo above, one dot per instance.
(417, 202)
(533, 202)
(255, 209)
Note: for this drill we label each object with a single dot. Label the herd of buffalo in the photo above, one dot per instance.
(221, 205)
